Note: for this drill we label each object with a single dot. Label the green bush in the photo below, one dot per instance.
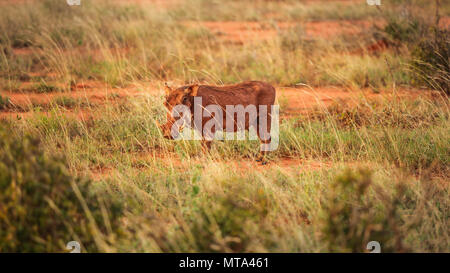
(5, 103)
(430, 61)
(230, 223)
(403, 30)
(44, 87)
(354, 217)
(428, 44)
(42, 207)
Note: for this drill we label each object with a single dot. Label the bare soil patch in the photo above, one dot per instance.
(239, 165)
(242, 32)
(292, 100)
(91, 92)
(303, 100)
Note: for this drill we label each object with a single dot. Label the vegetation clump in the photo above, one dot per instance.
(431, 61)
(355, 217)
(5, 103)
(43, 207)
(428, 45)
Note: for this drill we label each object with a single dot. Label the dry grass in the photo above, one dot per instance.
(342, 176)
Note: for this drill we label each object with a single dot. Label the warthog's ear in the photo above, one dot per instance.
(167, 89)
(192, 90)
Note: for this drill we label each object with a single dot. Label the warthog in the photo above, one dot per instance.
(230, 108)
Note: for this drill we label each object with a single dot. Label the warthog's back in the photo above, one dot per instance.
(246, 93)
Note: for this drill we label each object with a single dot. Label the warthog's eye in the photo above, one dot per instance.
(185, 99)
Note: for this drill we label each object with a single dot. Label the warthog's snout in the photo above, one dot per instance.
(167, 131)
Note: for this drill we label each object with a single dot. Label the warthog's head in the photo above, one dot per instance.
(180, 96)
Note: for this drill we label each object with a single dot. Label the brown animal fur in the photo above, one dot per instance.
(247, 93)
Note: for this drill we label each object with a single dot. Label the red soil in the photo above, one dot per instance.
(240, 32)
(92, 92)
(239, 165)
(303, 100)
(297, 100)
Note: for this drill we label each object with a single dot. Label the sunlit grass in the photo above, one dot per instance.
(178, 198)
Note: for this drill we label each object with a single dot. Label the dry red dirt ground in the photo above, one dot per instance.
(292, 100)
(245, 32)
(90, 92)
(240, 166)
(241, 32)
(302, 100)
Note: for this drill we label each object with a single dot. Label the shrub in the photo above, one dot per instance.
(430, 61)
(354, 217)
(403, 30)
(42, 207)
(5, 103)
(68, 102)
(429, 46)
(229, 224)
(44, 87)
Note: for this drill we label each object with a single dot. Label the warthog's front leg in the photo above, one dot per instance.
(206, 145)
(262, 154)
(264, 135)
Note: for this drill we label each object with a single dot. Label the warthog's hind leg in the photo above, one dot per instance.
(264, 136)
(262, 158)
(206, 145)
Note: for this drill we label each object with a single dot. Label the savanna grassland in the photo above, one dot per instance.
(364, 130)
